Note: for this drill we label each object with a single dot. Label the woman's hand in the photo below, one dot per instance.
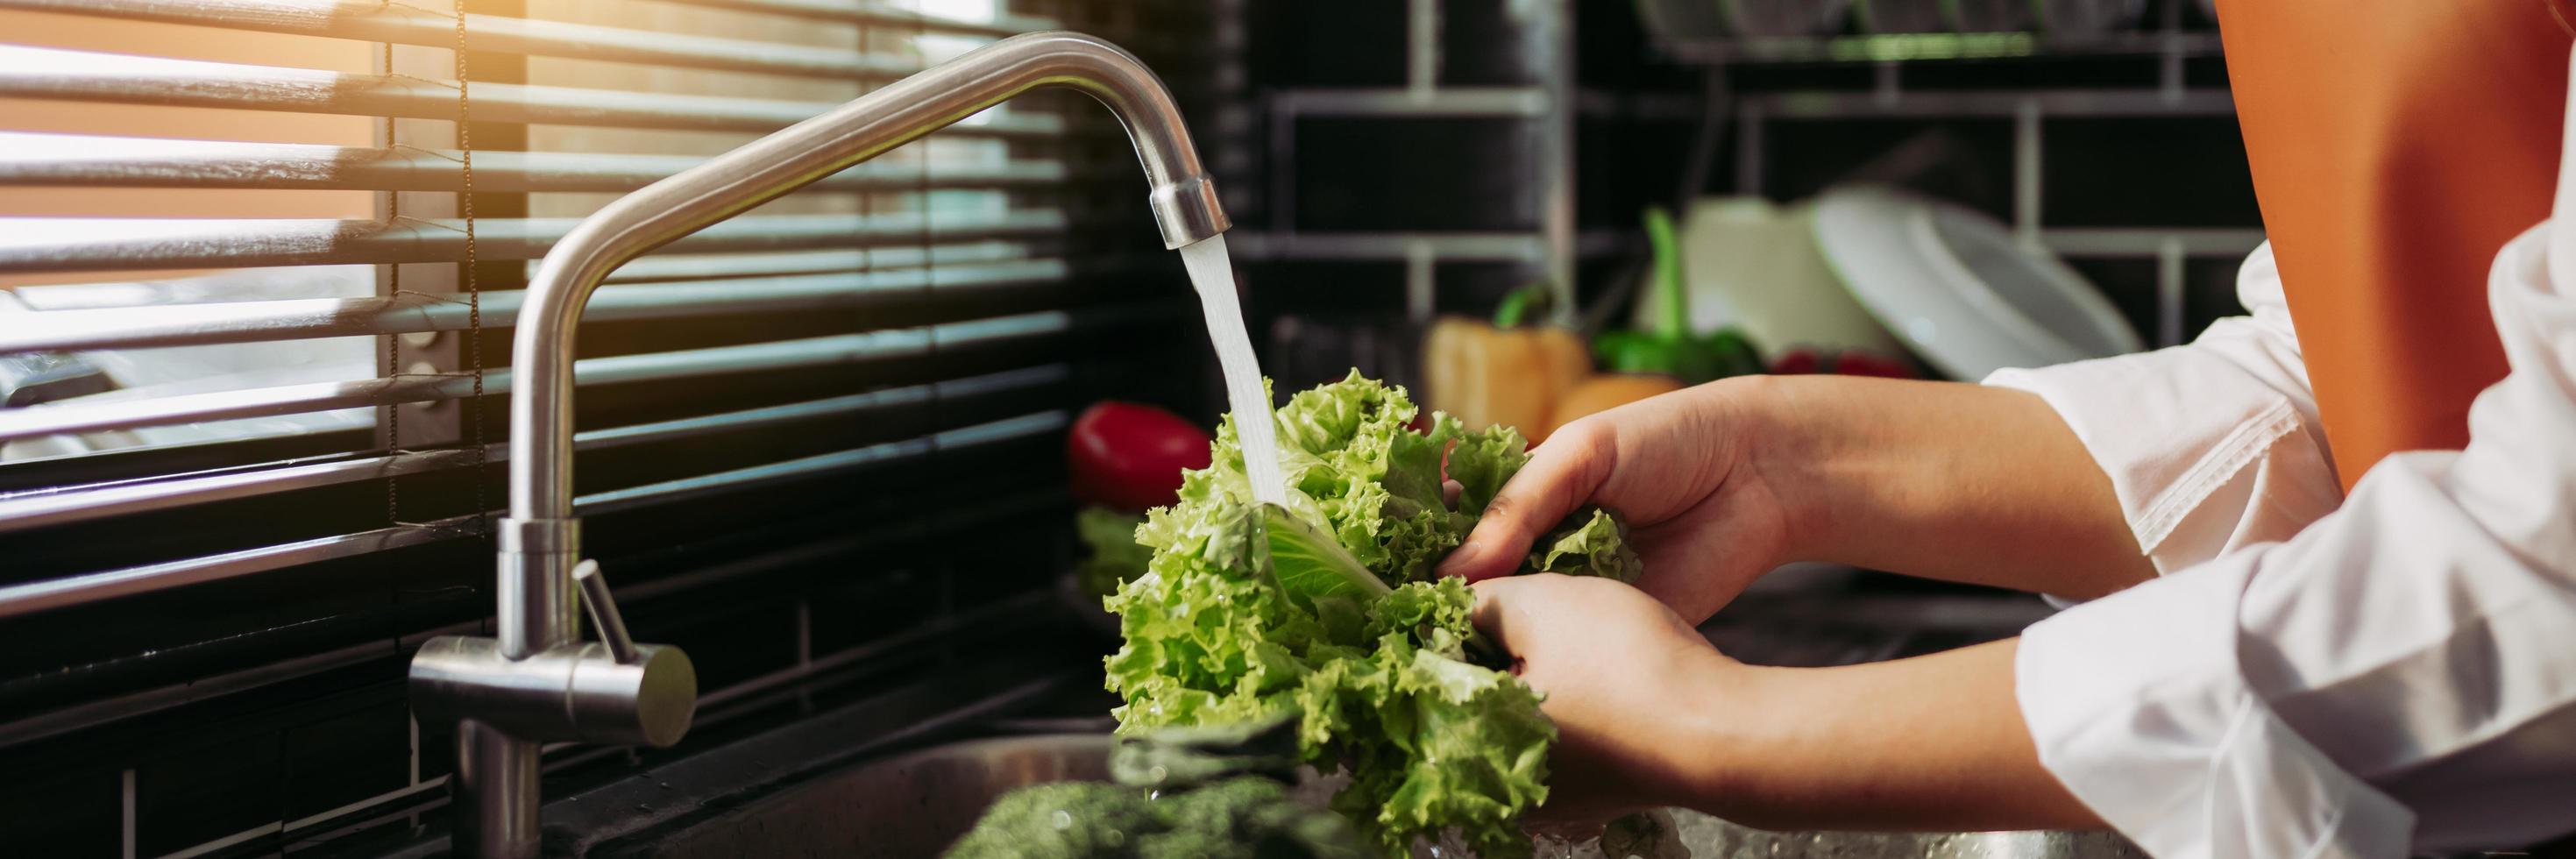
(1625, 680)
(1679, 467)
(1722, 482)
(1648, 714)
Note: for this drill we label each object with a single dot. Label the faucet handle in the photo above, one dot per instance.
(603, 613)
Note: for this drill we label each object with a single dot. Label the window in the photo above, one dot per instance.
(239, 472)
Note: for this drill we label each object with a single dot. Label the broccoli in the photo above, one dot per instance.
(1062, 820)
(1247, 817)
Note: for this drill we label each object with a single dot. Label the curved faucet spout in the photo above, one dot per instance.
(1184, 204)
(540, 541)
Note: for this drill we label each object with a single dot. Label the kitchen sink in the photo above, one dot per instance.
(914, 804)
(905, 769)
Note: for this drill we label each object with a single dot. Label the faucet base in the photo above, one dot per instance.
(570, 692)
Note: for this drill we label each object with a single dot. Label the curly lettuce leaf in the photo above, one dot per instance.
(1115, 556)
(1210, 639)
(1310, 563)
(1597, 547)
(1450, 745)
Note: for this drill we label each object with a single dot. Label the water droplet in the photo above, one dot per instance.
(1063, 820)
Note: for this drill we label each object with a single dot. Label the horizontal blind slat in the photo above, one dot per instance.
(49, 73)
(75, 590)
(145, 408)
(408, 24)
(879, 14)
(666, 267)
(112, 244)
(964, 518)
(132, 162)
(80, 504)
(152, 326)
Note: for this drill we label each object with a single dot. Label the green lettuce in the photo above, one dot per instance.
(1114, 556)
(1326, 610)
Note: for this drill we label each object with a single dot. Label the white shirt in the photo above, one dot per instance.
(2315, 675)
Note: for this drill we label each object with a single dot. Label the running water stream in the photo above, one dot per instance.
(1212, 274)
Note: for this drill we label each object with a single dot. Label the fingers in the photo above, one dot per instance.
(1561, 475)
(1488, 613)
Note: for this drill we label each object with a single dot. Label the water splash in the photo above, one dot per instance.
(1212, 274)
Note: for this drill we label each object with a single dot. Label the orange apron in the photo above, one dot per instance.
(2396, 145)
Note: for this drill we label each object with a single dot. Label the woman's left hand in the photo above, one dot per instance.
(1626, 680)
(1649, 714)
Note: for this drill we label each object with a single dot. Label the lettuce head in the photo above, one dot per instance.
(1326, 609)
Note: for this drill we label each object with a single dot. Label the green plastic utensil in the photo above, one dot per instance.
(1670, 349)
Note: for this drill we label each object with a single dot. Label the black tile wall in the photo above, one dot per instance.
(1485, 43)
(212, 791)
(1298, 287)
(2209, 290)
(1327, 43)
(2165, 170)
(1971, 158)
(74, 814)
(880, 597)
(731, 644)
(437, 752)
(336, 761)
(2130, 284)
(1444, 174)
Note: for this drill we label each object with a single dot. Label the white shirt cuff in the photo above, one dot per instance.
(2203, 457)
(2137, 704)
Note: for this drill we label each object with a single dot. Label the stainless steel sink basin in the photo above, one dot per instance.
(914, 804)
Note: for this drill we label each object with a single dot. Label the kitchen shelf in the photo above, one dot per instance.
(1892, 102)
(1936, 47)
(1527, 102)
(1504, 102)
(1402, 246)
(2151, 241)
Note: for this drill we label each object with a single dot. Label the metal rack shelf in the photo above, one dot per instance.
(1401, 246)
(2165, 42)
(1923, 47)
(1547, 111)
(2163, 53)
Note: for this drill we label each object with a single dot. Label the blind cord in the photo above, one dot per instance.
(393, 342)
(473, 412)
(473, 288)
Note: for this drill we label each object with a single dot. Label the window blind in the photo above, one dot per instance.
(244, 451)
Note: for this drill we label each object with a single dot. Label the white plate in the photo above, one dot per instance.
(1959, 289)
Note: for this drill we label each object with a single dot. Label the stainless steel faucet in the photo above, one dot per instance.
(534, 682)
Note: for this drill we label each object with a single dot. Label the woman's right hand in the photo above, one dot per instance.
(1679, 468)
(1722, 482)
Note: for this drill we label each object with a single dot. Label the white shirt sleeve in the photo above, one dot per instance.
(2211, 446)
(2398, 676)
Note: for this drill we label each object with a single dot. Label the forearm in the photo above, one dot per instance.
(1943, 480)
(1930, 743)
